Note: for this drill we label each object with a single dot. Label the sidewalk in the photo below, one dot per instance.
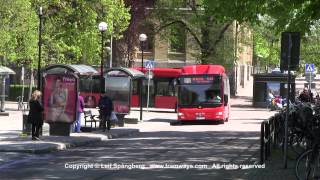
(274, 166)
(12, 139)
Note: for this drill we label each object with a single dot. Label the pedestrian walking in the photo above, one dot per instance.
(35, 116)
(80, 109)
(105, 109)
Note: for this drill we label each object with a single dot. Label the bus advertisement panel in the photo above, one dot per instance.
(119, 89)
(60, 98)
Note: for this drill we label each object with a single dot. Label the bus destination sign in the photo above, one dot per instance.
(198, 80)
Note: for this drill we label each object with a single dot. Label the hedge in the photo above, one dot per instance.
(16, 90)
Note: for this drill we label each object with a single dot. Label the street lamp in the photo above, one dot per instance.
(142, 39)
(39, 44)
(102, 28)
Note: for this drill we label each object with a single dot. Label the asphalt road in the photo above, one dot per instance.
(160, 151)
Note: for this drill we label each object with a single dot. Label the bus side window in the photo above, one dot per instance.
(135, 87)
(165, 88)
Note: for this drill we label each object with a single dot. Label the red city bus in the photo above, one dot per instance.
(203, 93)
(89, 87)
(162, 88)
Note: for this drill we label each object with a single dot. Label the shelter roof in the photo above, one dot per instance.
(79, 69)
(5, 70)
(120, 71)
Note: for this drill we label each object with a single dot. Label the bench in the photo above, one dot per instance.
(90, 118)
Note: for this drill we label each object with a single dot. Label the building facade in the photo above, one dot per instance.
(235, 52)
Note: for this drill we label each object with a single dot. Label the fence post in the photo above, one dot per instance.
(262, 143)
(267, 135)
(274, 131)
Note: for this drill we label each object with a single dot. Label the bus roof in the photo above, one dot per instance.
(202, 69)
(163, 72)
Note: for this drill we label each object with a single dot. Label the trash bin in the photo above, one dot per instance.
(26, 127)
(120, 120)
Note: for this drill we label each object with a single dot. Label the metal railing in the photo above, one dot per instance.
(267, 137)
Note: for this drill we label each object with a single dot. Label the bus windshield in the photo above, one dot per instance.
(200, 91)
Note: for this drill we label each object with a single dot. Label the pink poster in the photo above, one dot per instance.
(60, 98)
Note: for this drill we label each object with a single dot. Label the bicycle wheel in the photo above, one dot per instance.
(297, 144)
(308, 165)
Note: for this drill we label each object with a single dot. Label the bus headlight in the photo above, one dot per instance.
(219, 113)
(180, 115)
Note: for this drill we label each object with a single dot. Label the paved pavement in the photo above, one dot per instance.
(13, 140)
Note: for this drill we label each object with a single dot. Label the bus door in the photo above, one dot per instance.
(226, 97)
(165, 93)
(145, 93)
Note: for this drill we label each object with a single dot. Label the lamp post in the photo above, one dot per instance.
(142, 39)
(102, 28)
(39, 44)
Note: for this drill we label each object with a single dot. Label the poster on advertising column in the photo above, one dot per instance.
(60, 98)
(274, 87)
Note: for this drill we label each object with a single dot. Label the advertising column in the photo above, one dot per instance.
(60, 102)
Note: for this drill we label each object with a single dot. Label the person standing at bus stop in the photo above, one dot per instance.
(80, 110)
(105, 109)
(35, 114)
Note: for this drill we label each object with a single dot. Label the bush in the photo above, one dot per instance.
(15, 90)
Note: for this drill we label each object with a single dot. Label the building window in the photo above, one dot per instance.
(177, 38)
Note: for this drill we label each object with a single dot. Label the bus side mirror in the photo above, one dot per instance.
(225, 99)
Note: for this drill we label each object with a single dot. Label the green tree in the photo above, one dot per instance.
(289, 15)
(266, 42)
(310, 47)
(70, 28)
(207, 21)
(18, 32)
(70, 33)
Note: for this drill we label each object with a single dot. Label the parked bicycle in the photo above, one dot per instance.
(21, 105)
(308, 163)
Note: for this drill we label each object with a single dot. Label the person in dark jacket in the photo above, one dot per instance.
(306, 96)
(105, 109)
(35, 114)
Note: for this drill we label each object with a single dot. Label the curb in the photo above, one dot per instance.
(47, 146)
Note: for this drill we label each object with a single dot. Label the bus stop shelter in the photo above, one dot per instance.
(118, 86)
(60, 95)
(277, 83)
(4, 74)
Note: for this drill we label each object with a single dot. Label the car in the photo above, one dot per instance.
(276, 71)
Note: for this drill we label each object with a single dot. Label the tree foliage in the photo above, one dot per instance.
(266, 42)
(69, 35)
(70, 28)
(18, 31)
(208, 22)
